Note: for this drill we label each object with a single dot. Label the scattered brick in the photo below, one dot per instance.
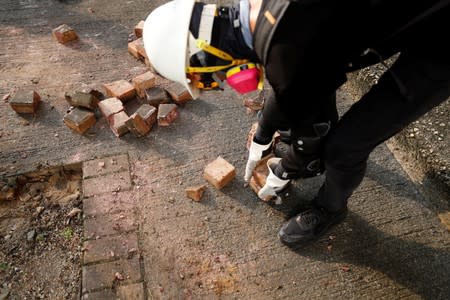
(143, 82)
(80, 120)
(121, 89)
(178, 93)
(109, 248)
(117, 123)
(195, 192)
(64, 34)
(25, 101)
(131, 292)
(219, 172)
(156, 96)
(142, 121)
(167, 113)
(139, 28)
(86, 98)
(136, 48)
(110, 106)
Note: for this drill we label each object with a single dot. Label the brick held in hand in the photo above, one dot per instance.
(142, 121)
(178, 93)
(117, 123)
(121, 89)
(156, 96)
(143, 82)
(25, 101)
(195, 192)
(219, 172)
(110, 106)
(83, 98)
(139, 28)
(64, 34)
(80, 120)
(167, 113)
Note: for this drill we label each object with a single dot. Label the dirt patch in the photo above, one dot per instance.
(40, 233)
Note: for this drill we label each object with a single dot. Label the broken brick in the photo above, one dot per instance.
(178, 93)
(121, 89)
(219, 172)
(64, 34)
(25, 101)
(80, 120)
(167, 113)
(110, 106)
(136, 48)
(117, 123)
(142, 121)
(195, 192)
(83, 98)
(156, 96)
(139, 28)
(143, 82)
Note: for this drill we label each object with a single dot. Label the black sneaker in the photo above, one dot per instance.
(309, 225)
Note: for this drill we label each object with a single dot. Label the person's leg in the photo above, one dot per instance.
(380, 114)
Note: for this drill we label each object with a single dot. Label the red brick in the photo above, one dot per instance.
(108, 203)
(117, 123)
(25, 101)
(156, 96)
(106, 165)
(108, 183)
(142, 121)
(80, 120)
(138, 29)
(110, 106)
(136, 48)
(195, 192)
(83, 98)
(107, 225)
(178, 93)
(167, 113)
(121, 89)
(131, 292)
(143, 82)
(123, 246)
(219, 172)
(102, 276)
(64, 33)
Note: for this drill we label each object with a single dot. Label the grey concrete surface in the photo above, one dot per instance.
(390, 246)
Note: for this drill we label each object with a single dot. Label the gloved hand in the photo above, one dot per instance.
(256, 153)
(274, 184)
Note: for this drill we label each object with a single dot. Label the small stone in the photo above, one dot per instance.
(101, 164)
(31, 235)
(75, 211)
(119, 276)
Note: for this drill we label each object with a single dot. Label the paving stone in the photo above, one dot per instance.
(117, 123)
(114, 182)
(64, 34)
(83, 98)
(25, 101)
(131, 292)
(167, 114)
(219, 172)
(195, 192)
(178, 93)
(124, 246)
(156, 96)
(103, 275)
(110, 106)
(139, 28)
(108, 294)
(108, 203)
(121, 89)
(143, 82)
(80, 120)
(106, 225)
(142, 121)
(105, 165)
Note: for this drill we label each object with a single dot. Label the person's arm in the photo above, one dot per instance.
(255, 6)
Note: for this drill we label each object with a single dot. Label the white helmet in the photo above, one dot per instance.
(165, 35)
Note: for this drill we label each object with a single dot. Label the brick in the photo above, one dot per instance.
(117, 123)
(167, 113)
(110, 106)
(108, 225)
(131, 292)
(195, 192)
(253, 103)
(25, 101)
(106, 165)
(142, 121)
(100, 295)
(121, 89)
(124, 246)
(143, 82)
(178, 93)
(219, 172)
(136, 48)
(108, 203)
(260, 174)
(108, 183)
(64, 34)
(86, 98)
(102, 276)
(139, 28)
(80, 120)
(156, 96)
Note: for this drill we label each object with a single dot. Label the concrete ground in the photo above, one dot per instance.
(392, 245)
